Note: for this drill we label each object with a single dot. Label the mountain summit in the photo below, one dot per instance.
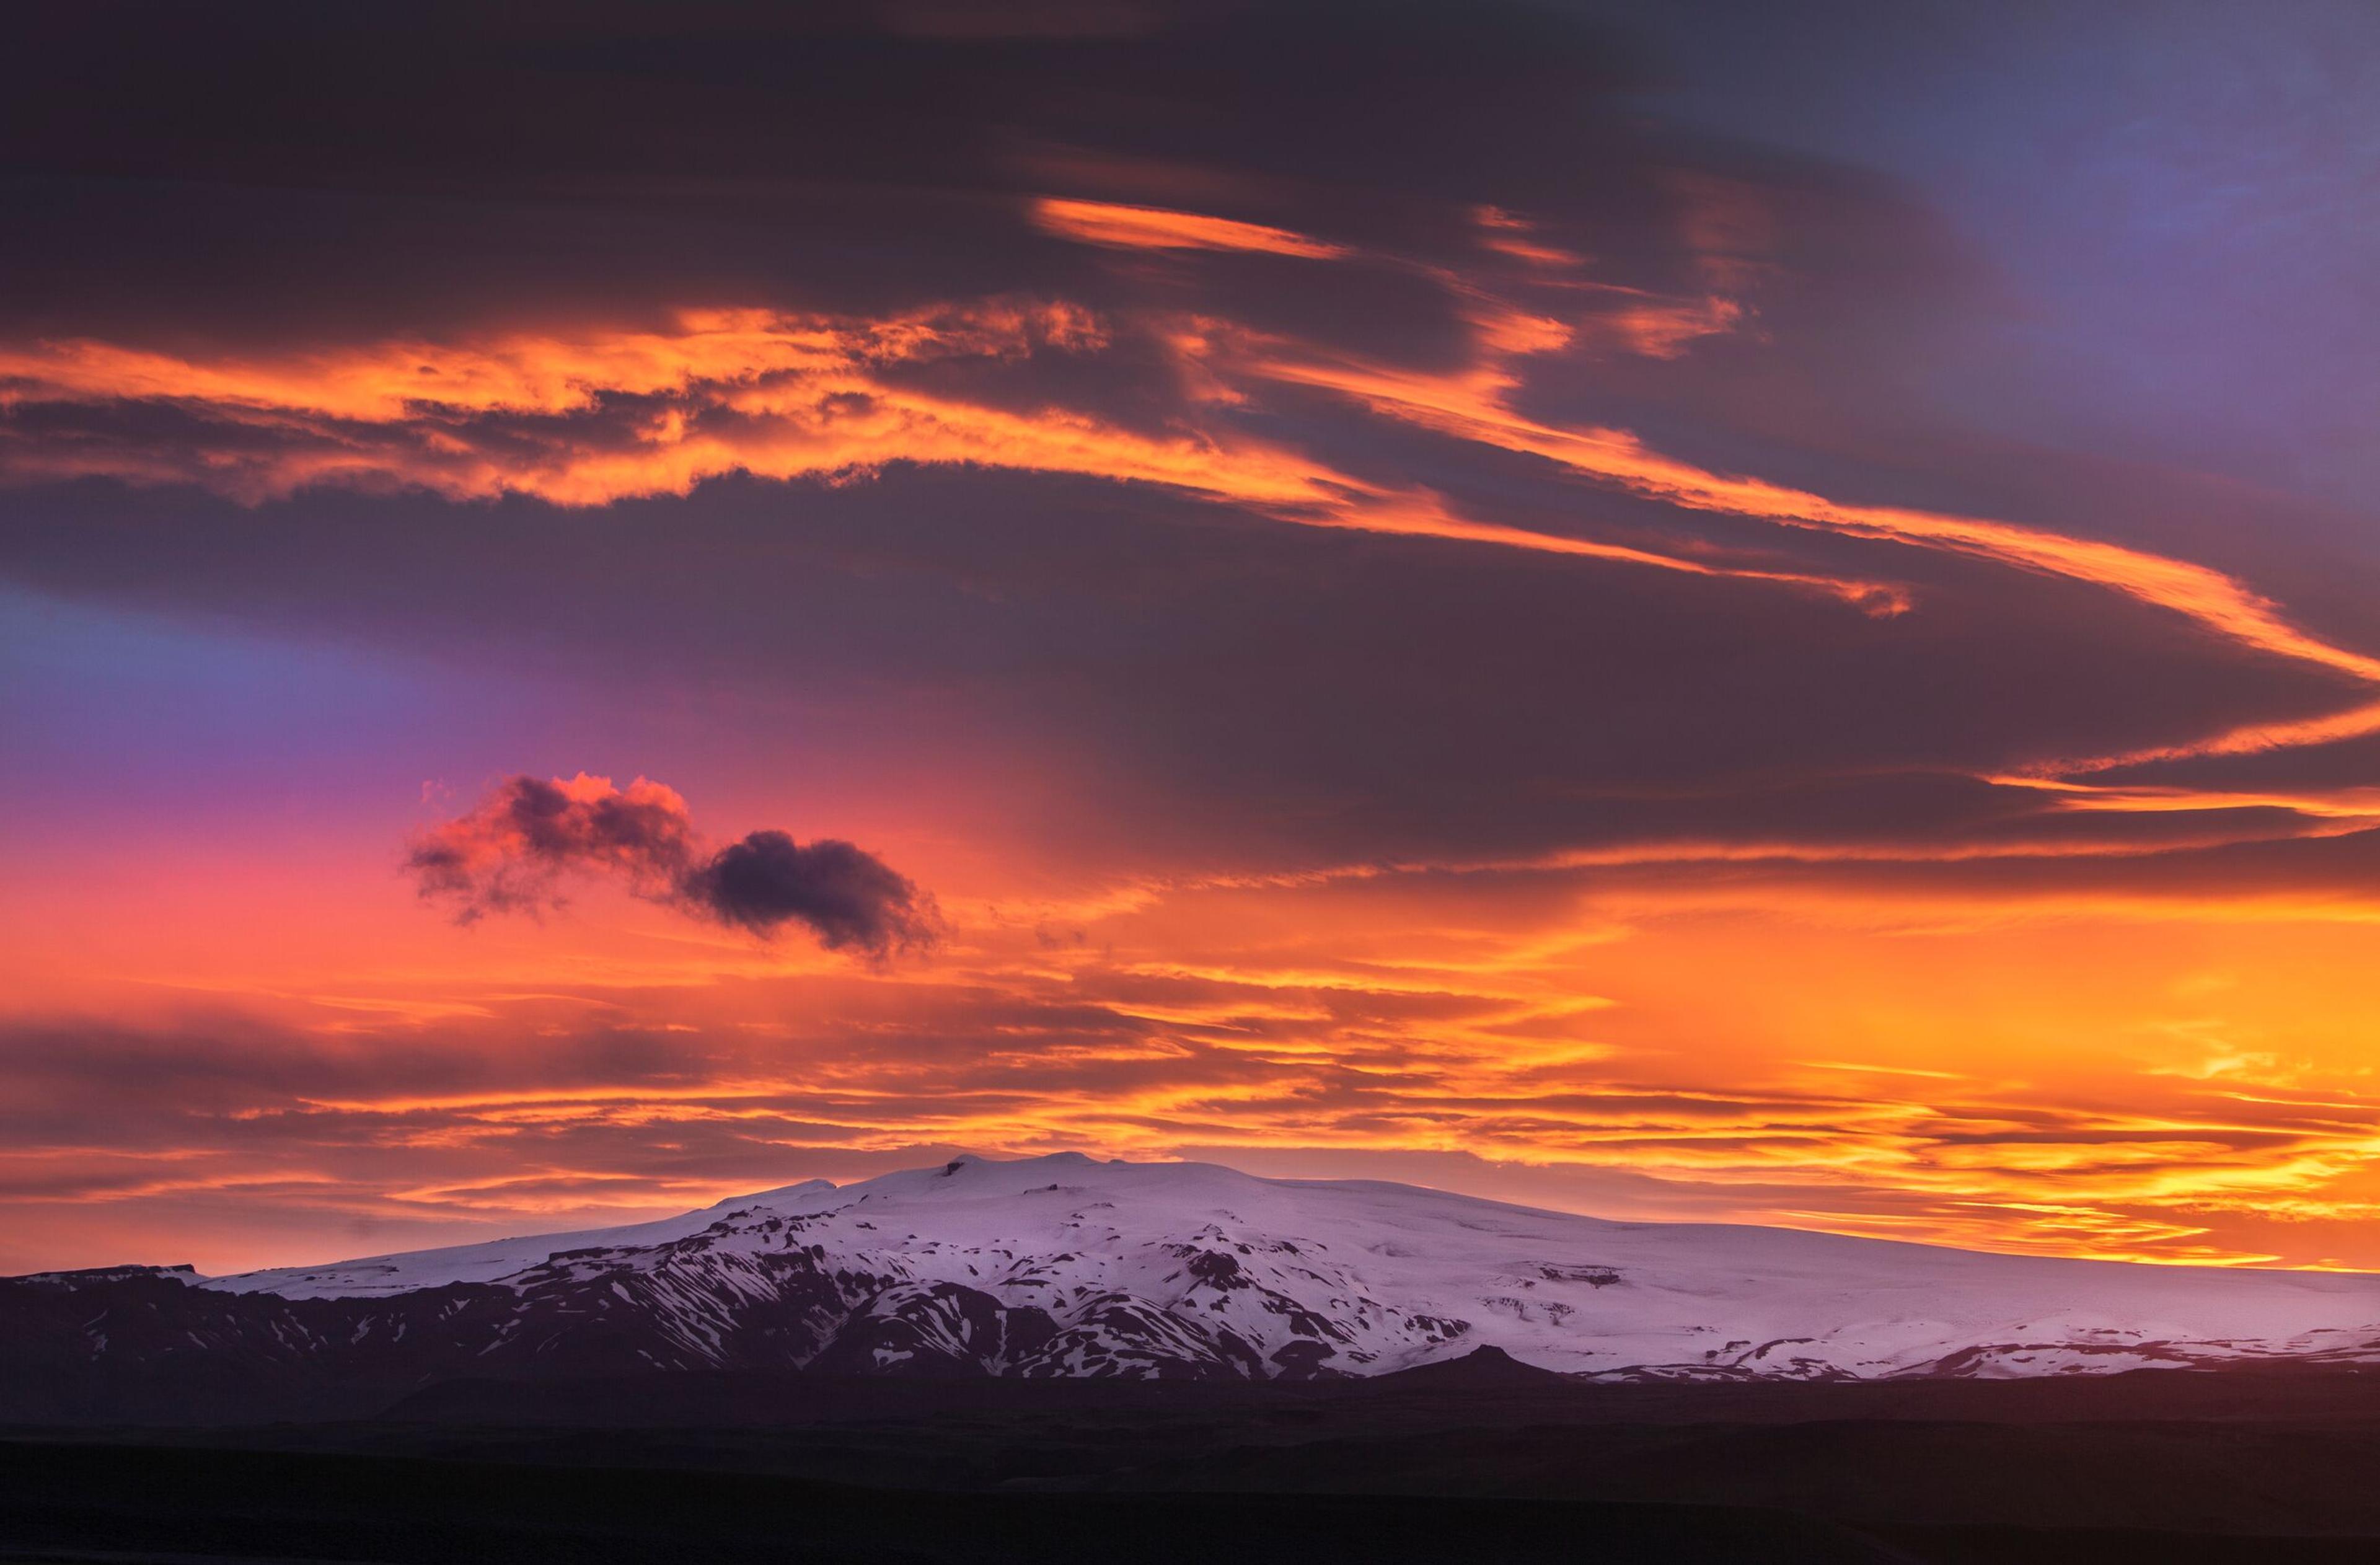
(1065, 1266)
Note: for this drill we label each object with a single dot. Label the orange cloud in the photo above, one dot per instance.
(2249, 739)
(775, 396)
(1472, 407)
(388, 383)
(633, 412)
(1156, 228)
(1502, 233)
(2354, 807)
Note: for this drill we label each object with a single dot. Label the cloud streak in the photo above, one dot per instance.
(603, 415)
(514, 851)
(1158, 228)
(1474, 406)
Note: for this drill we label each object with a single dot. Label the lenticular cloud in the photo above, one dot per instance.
(513, 852)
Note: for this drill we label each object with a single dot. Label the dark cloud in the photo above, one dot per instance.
(547, 162)
(285, 92)
(512, 851)
(845, 896)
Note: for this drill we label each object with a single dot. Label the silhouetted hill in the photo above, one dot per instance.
(1484, 1367)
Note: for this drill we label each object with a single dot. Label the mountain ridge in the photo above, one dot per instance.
(1065, 1266)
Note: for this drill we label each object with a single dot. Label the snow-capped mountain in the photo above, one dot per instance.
(1063, 1266)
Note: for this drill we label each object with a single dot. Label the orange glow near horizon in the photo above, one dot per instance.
(1697, 1036)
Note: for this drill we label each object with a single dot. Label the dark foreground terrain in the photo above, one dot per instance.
(1476, 1461)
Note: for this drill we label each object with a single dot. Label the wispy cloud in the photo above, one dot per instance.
(1158, 228)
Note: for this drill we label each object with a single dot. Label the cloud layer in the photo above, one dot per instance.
(1460, 592)
(514, 850)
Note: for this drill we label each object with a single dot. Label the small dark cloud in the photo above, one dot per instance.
(844, 895)
(513, 851)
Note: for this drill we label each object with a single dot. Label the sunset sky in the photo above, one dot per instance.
(1720, 612)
